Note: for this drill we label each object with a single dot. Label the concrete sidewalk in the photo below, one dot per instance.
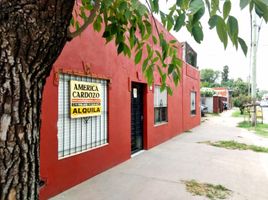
(156, 174)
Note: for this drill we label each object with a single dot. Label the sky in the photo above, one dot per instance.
(211, 53)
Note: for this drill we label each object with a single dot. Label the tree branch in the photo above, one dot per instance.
(87, 22)
(153, 18)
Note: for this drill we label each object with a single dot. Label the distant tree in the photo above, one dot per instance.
(241, 101)
(239, 88)
(209, 77)
(225, 74)
(261, 93)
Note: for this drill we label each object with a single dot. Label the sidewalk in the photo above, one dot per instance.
(156, 174)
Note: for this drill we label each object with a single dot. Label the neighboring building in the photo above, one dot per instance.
(207, 97)
(224, 92)
(97, 111)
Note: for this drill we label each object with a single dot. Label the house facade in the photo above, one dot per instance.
(98, 111)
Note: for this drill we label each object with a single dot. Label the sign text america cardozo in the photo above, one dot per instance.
(85, 99)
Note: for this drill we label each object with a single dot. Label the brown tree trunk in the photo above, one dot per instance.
(33, 33)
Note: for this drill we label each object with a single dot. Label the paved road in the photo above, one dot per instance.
(265, 115)
(156, 174)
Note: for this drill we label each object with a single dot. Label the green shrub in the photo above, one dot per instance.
(241, 102)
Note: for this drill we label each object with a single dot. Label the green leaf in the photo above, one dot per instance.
(243, 45)
(261, 8)
(195, 6)
(198, 15)
(154, 39)
(156, 6)
(197, 33)
(127, 51)
(213, 21)
(179, 22)
(176, 78)
(214, 6)
(120, 47)
(169, 91)
(244, 3)
(138, 56)
(232, 25)
(77, 25)
(173, 41)
(170, 68)
(222, 32)
(149, 74)
(148, 27)
(142, 9)
(163, 18)
(179, 2)
(123, 6)
(170, 22)
(226, 8)
(144, 65)
(97, 24)
(72, 21)
(106, 34)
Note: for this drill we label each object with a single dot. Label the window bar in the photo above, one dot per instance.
(106, 114)
(81, 136)
(63, 113)
(70, 122)
(90, 143)
(76, 78)
(101, 117)
(86, 121)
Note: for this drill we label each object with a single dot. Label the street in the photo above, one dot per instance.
(158, 173)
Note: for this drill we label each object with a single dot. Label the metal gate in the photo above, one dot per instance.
(136, 117)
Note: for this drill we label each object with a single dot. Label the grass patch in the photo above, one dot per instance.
(209, 190)
(188, 131)
(260, 129)
(236, 146)
(237, 113)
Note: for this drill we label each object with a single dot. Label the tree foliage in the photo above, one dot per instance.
(130, 23)
(225, 74)
(207, 92)
(209, 78)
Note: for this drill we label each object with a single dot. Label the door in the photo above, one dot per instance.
(136, 117)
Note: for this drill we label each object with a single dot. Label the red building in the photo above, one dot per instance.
(126, 115)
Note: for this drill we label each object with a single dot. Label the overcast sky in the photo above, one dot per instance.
(211, 53)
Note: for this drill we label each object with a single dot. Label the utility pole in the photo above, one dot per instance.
(253, 68)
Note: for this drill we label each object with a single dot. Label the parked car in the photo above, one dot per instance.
(204, 109)
(264, 103)
(225, 105)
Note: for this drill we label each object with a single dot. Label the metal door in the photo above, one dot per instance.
(136, 117)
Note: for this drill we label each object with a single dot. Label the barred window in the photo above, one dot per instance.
(160, 105)
(193, 103)
(76, 135)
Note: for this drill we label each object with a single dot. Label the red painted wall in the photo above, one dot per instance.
(90, 50)
(191, 83)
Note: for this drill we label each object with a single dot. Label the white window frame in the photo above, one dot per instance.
(78, 135)
(160, 106)
(193, 103)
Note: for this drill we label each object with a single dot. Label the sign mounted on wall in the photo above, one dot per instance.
(85, 99)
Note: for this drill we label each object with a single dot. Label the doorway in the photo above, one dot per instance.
(136, 117)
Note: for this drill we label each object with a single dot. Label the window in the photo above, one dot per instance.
(193, 103)
(76, 135)
(190, 56)
(160, 105)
